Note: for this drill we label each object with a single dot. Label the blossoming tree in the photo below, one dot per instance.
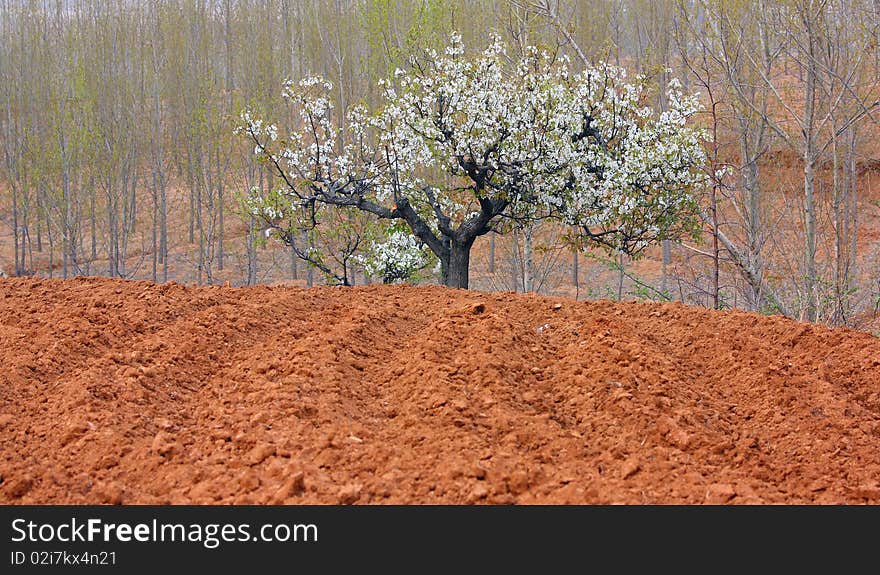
(461, 144)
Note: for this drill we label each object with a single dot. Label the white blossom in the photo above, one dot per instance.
(396, 259)
(530, 136)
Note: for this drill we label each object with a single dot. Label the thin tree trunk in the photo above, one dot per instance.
(809, 184)
(839, 227)
(15, 238)
(810, 278)
(93, 221)
(200, 227)
(154, 238)
(852, 197)
(26, 241)
(132, 198)
(251, 251)
(514, 251)
(666, 250)
(123, 247)
(220, 223)
(310, 271)
(39, 222)
(528, 260)
(65, 221)
(492, 253)
(163, 233)
(716, 252)
(51, 241)
(192, 198)
(753, 217)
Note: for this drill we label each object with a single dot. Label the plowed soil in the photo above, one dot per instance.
(131, 392)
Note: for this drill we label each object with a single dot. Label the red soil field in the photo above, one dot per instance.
(130, 392)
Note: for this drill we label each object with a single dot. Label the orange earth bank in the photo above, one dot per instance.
(132, 392)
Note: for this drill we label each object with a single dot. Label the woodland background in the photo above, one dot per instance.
(119, 158)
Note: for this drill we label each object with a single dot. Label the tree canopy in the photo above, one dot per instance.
(462, 143)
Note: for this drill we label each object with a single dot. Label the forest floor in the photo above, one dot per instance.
(129, 392)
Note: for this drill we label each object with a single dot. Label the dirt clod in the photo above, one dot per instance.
(164, 444)
(350, 494)
(630, 467)
(19, 487)
(259, 453)
(719, 493)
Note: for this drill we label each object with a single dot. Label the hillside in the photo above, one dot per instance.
(132, 392)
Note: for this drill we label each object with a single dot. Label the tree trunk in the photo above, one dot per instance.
(754, 231)
(65, 226)
(666, 250)
(514, 272)
(492, 254)
(852, 208)
(459, 264)
(528, 260)
(220, 223)
(18, 265)
(26, 243)
(838, 225)
(154, 236)
(93, 223)
(810, 239)
(192, 200)
(51, 241)
(251, 251)
(200, 229)
(809, 156)
(39, 196)
(163, 237)
(716, 252)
